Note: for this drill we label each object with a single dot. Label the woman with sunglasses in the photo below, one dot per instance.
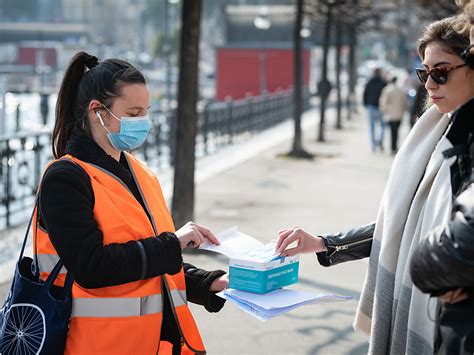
(417, 198)
(442, 264)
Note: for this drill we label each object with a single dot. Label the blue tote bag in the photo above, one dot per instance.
(36, 313)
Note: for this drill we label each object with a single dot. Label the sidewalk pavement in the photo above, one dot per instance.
(252, 186)
(339, 189)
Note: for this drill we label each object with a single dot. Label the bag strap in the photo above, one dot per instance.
(28, 228)
(54, 275)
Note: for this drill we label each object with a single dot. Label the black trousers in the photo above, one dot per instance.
(394, 125)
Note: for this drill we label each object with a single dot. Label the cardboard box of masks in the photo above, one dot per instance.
(259, 271)
(253, 266)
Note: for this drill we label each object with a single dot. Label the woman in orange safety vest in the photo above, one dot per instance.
(102, 212)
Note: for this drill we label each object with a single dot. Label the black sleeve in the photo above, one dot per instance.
(365, 95)
(198, 283)
(354, 244)
(66, 206)
(445, 259)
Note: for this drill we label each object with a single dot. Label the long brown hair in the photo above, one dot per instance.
(448, 33)
(88, 79)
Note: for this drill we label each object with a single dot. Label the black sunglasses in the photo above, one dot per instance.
(438, 74)
(468, 57)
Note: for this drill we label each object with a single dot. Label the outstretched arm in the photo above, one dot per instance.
(331, 249)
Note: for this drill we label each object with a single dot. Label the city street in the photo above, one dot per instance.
(213, 96)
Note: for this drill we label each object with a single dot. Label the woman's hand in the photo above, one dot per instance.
(220, 283)
(192, 235)
(306, 243)
(455, 296)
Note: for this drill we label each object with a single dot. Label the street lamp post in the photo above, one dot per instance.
(262, 22)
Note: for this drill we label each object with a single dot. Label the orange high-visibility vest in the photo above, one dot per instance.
(124, 319)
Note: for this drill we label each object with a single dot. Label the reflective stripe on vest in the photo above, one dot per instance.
(123, 307)
(46, 263)
(112, 307)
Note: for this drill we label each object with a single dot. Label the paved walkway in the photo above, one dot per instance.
(339, 189)
(252, 186)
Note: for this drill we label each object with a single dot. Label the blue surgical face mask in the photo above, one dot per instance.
(132, 134)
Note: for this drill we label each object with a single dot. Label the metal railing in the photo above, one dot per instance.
(23, 156)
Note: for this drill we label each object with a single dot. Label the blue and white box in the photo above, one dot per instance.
(259, 271)
(253, 266)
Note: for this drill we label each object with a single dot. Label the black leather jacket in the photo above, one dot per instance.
(445, 259)
(351, 245)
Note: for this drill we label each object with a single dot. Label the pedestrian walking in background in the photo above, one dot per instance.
(417, 199)
(102, 212)
(393, 104)
(371, 98)
(442, 264)
(419, 104)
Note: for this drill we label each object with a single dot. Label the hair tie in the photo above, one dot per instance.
(91, 61)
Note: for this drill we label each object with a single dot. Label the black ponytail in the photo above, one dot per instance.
(66, 102)
(87, 79)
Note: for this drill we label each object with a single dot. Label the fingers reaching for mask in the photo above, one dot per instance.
(305, 242)
(192, 235)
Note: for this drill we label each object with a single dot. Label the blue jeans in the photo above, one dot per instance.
(376, 126)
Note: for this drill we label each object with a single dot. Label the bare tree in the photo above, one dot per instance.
(297, 150)
(183, 190)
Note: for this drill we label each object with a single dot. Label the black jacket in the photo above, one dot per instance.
(345, 246)
(444, 261)
(66, 206)
(357, 242)
(373, 90)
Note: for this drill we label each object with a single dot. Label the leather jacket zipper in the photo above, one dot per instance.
(346, 246)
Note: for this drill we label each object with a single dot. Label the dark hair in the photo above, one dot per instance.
(88, 79)
(448, 33)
